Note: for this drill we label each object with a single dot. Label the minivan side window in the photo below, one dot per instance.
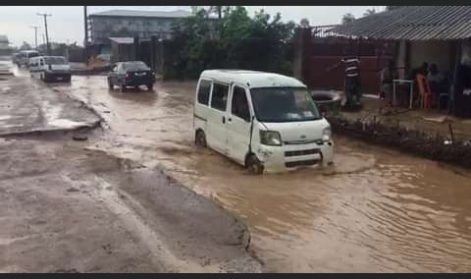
(203, 92)
(219, 97)
(240, 104)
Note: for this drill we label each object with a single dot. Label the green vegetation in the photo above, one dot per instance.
(235, 40)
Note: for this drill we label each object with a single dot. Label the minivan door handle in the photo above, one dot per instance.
(223, 120)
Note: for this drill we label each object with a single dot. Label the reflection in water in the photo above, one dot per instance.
(375, 210)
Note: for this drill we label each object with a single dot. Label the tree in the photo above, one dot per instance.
(238, 41)
(25, 46)
(369, 12)
(216, 10)
(304, 23)
(348, 18)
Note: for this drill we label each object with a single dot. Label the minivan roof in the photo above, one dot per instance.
(254, 79)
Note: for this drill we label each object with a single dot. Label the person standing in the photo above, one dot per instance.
(351, 80)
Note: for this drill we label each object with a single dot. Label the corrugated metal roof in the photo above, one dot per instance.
(122, 40)
(130, 13)
(413, 23)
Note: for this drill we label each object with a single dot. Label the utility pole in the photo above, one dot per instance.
(45, 28)
(85, 40)
(85, 17)
(35, 36)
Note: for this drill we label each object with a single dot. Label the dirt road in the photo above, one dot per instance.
(374, 211)
(66, 206)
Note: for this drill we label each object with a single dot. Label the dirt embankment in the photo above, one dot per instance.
(436, 147)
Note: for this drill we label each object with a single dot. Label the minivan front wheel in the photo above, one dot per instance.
(254, 166)
(200, 139)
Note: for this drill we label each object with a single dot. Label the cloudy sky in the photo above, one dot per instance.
(66, 22)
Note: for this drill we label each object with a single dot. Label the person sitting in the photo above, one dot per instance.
(423, 69)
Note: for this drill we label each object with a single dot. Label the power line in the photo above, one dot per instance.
(44, 15)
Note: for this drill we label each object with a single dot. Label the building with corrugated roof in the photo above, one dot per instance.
(433, 34)
(438, 35)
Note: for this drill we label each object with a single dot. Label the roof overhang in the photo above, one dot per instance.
(413, 23)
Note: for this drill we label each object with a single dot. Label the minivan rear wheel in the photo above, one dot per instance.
(254, 166)
(200, 139)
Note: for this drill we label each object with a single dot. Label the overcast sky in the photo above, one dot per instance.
(66, 23)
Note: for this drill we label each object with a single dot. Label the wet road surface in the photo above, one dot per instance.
(375, 211)
(66, 206)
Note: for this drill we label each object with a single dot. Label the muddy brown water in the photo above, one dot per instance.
(375, 210)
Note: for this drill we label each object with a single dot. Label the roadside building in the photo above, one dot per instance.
(439, 35)
(122, 49)
(5, 48)
(435, 34)
(128, 23)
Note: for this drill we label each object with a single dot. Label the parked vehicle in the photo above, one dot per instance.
(132, 73)
(50, 68)
(24, 56)
(263, 121)
(15, 58)
(5, 66)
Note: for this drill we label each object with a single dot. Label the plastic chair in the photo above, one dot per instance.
(425, 94)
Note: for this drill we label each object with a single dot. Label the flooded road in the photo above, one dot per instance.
(376, 210)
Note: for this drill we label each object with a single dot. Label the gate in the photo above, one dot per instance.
(325, 49)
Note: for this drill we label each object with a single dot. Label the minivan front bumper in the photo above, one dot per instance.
(286, 157)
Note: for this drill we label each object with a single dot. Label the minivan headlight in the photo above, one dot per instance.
(326, 134)
(270, 138)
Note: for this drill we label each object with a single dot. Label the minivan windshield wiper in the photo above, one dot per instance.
(284, 104)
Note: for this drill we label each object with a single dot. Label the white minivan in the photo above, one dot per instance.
(49, 68)
(263, 121)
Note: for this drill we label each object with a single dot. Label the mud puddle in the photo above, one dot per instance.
(374, 211)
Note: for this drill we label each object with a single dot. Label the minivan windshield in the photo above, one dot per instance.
(55, 60)
(283, 104)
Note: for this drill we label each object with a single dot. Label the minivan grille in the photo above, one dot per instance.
(301, 152)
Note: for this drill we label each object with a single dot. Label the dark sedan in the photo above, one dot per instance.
(131, 74)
